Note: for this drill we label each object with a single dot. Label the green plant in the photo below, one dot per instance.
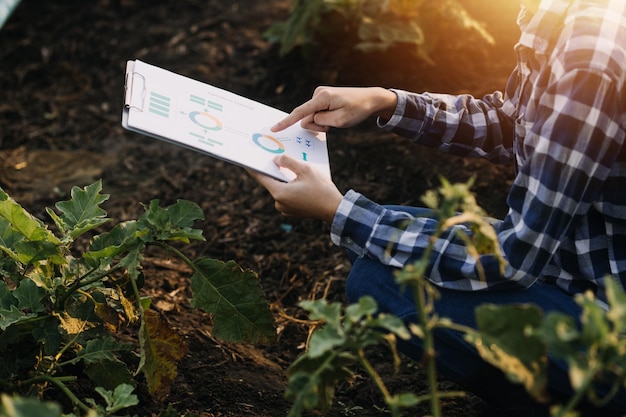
(518, 338)
(66, 297)
(515, 338)
(344, 336)
(372, 25)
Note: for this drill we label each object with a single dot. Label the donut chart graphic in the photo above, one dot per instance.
(206, 120)
(268, 143)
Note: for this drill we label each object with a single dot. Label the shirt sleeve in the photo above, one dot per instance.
(397, 239)
(457, 124)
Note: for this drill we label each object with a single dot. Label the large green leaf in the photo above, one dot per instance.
(82, 212)
(9, 237)
(48, 334)
(118, 240)
(184, 213)
(25, 238)
(132, 263)
(108, 373)
(324, 340)
(22, 221)
(155, 215)
(29, 252)
(330, 313)
(13, 315)
(235, 300)
(6, 297)
(30, 296)
(509, 339)
(97, 350)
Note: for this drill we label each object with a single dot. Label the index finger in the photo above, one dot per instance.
(307, 109)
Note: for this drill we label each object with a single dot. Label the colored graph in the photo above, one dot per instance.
(206, 120)
(268, 143)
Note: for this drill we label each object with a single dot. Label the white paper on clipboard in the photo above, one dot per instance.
(186, 112)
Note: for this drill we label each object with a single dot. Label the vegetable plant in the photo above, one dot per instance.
(70, 293)
(340, 342)
(515, 338)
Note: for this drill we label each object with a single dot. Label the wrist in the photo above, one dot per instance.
(332, 206)
(385, 103)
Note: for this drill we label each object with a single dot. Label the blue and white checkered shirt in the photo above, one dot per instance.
(562, 122)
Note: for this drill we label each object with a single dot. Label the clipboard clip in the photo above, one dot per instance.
(134, 89)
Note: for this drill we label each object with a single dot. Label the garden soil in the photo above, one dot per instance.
(61, 85)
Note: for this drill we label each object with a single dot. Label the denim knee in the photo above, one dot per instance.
(369, 277)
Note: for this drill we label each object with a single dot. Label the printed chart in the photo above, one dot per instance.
(207, 119)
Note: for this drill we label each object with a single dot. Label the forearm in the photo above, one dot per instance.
(397, 238)
(457, 124)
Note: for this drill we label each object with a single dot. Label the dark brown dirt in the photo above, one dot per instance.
(61, 81)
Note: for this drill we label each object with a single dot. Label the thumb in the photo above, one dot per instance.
(292, 164)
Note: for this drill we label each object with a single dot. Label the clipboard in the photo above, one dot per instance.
(224, 125)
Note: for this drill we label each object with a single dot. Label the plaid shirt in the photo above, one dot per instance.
(562, 122)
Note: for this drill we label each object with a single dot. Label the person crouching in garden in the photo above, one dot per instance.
(561, 121)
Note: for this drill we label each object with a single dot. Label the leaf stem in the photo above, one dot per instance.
(580, 392)
(66, 347)
(429, 350)
(79, 283)
(178, 253)
(59, 383)
(373, 374)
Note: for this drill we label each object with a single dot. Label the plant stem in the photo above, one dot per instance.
(373, 374)
(447, 394)
(580, 392)
(59, 355)
(419, 288)
(429, 350)
(178, 253)
(59, 383)
(97, 277)
(80, 283)
(133, 283)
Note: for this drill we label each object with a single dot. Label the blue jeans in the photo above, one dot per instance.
(456, 359)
